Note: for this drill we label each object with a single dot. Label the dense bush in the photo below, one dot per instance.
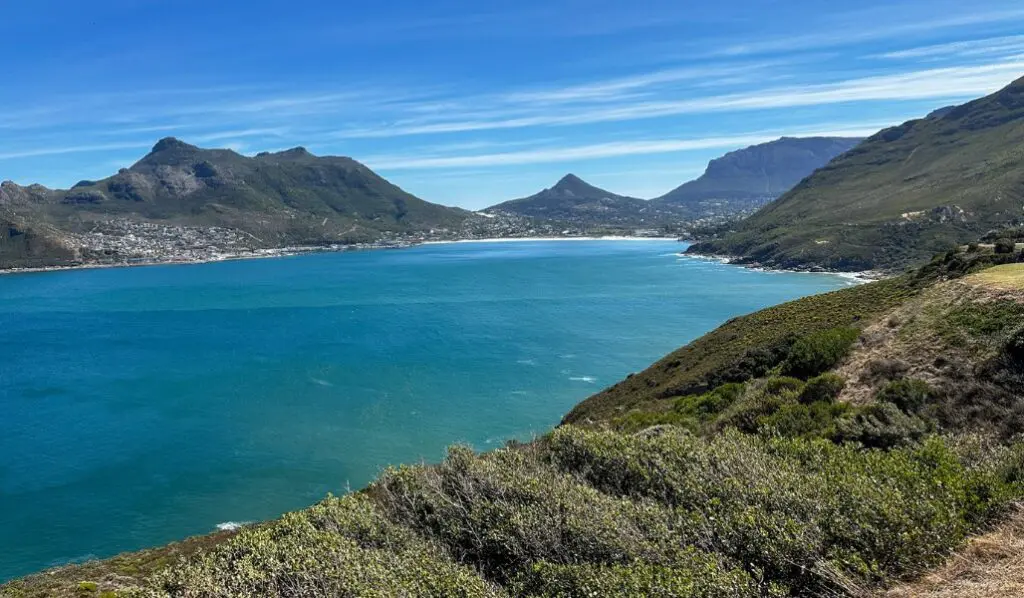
(340, 547)
(802, 512)
(702, 576)
(814, 420)
(909, 394)
(1004, 246)
(825, 387)
(880, 425)
(503, 511)
(817, 352)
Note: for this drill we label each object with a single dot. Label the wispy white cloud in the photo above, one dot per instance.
(593, 151)
(838, 35)
(945, 83)
(240, 133)
(70, 149)
(1012, 44)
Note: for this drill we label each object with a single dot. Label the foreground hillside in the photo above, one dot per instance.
(180, 197)
(900, 196)
(833, 446)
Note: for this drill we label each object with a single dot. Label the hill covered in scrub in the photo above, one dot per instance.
(837, 445)
(899, 197)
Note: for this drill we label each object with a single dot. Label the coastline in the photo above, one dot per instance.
(854, 277)
(536, 239)
(302, 250)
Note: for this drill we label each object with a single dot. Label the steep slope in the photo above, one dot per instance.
(218, 198)
(26, 239)
(900, 196)
(759, 173)
(573, 200)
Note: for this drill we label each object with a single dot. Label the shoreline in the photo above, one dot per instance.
(303, 250)
(854, 277)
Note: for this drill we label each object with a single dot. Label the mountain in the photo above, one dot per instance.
(900, 196)
(736, 183)
(759, 173)
(573, 200)
(267, 201)
(831, 446)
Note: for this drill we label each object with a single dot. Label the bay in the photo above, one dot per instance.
(142, 405)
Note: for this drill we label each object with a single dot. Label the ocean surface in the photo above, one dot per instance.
(143, 405)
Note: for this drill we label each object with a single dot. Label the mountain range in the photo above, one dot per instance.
(899, 197)
(270, 200)
(737, 182)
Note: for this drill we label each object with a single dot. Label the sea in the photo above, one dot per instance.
(142, 405)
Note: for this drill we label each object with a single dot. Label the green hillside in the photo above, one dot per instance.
(831, 446)
(898, 197)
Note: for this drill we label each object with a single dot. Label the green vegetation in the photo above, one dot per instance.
(818, 351)
(745, 348)
(899, 197)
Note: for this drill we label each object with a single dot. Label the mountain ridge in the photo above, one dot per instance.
(732, 184)
(899, 197)
(765, 170)
(237, 202)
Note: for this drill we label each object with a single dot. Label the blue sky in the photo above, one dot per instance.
(471, 103)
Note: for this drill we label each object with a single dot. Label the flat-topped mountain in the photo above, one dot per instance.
(760, 172)
(216, 197)
(900, 196)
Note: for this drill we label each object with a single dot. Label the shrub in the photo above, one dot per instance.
(880, 425)
(701, 576)
(710, 403)
(1014, 346)
(817, 352)
(909, 394)
(340, 547)
(816, 420)
(825, 387)
(505, 510)
(782, 386)
(795, 510)
(1004, 246)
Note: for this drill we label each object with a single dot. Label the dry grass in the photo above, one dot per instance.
(1007, 276)
(990, 566)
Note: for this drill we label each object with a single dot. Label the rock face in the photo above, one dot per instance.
(899, 197)
(760, 172)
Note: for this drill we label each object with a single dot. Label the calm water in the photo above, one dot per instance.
(138, 406)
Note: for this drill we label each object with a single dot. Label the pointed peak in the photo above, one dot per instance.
(570, 179)
(171, 143)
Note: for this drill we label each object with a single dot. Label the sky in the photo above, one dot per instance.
(472, 103)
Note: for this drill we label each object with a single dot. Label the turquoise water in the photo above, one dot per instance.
(139, 406)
